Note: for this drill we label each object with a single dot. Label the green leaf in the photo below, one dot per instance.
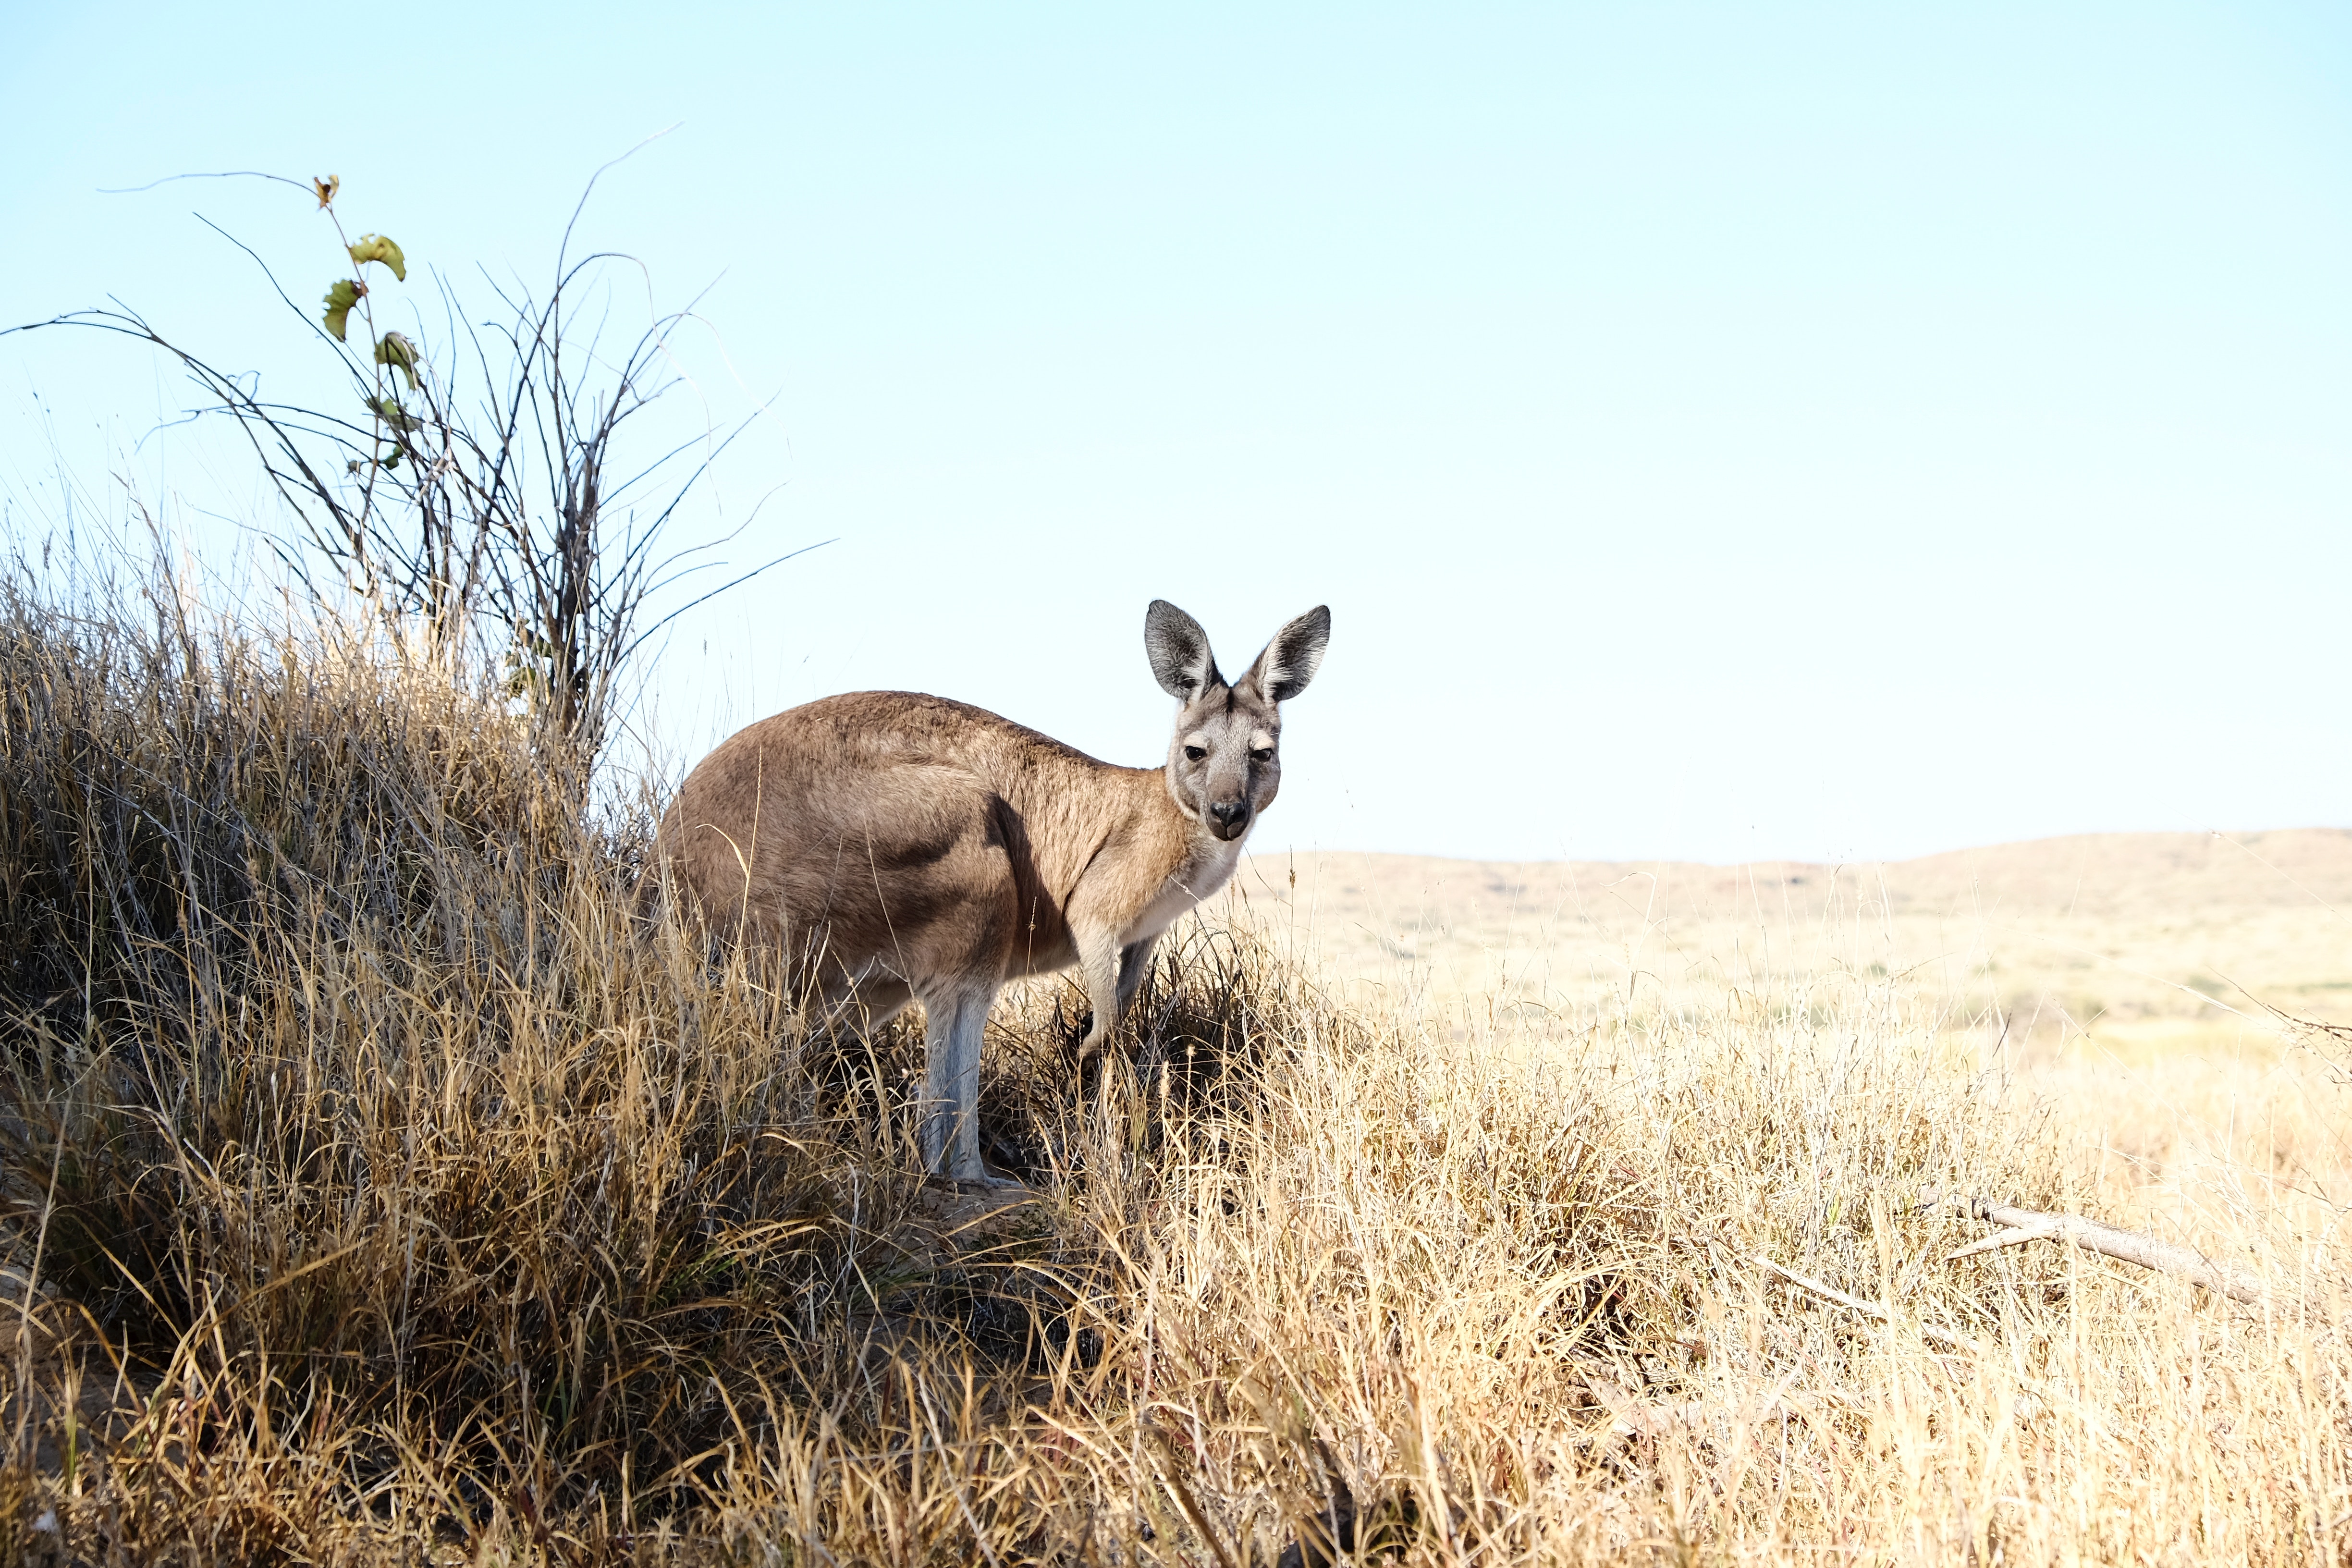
(376, 248)
(340, 300)
(389, 410)
(397, 351)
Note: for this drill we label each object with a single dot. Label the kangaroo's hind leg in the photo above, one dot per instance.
(951, 932)
(955, 1021)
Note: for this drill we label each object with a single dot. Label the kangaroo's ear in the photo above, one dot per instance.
(1179, 650)
(1290, 660)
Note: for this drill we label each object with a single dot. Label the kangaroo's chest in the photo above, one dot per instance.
(1206, 869)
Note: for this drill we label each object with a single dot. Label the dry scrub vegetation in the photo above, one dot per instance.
(375, 1193)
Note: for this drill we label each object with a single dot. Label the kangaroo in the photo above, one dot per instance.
(901, 847)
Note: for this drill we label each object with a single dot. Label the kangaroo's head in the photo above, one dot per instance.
(1224, 762)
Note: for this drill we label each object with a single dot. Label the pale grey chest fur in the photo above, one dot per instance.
(1210, 867)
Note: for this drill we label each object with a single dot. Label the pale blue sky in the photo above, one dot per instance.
(1828, 431)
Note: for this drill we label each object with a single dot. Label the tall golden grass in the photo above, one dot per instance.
(376, 1192)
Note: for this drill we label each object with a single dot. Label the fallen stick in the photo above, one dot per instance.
(2008, 1236)
(1867, 1309)
(2130, 1246)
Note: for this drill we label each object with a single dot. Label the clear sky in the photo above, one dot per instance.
(1720, 432)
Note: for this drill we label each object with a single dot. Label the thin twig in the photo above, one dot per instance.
(1868, 1309)
(2009, 1235)
(205, 175)
(2128, 1246)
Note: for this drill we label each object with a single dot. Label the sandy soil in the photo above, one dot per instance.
(2126, 945)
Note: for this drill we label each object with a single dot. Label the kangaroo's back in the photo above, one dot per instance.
(859, 825)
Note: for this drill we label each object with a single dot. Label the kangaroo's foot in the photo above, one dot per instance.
(989, 1183)
(974, 1172)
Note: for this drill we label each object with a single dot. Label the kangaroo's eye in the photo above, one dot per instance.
(1194, 753)
(1263, 755)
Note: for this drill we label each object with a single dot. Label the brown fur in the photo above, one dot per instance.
(898, 846)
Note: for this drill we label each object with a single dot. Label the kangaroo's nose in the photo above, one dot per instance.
(1229, 813)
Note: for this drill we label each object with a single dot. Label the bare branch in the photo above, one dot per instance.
(722, 588)
(480, 500)
(2126, 1246)
(2008, 1236)
(302, 185)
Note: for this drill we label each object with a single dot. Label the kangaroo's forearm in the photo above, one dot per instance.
(1099, 971)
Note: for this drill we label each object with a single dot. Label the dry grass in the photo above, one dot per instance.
(391, 1200)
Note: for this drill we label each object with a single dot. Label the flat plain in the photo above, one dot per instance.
(2146, 997)
(2133, 945)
